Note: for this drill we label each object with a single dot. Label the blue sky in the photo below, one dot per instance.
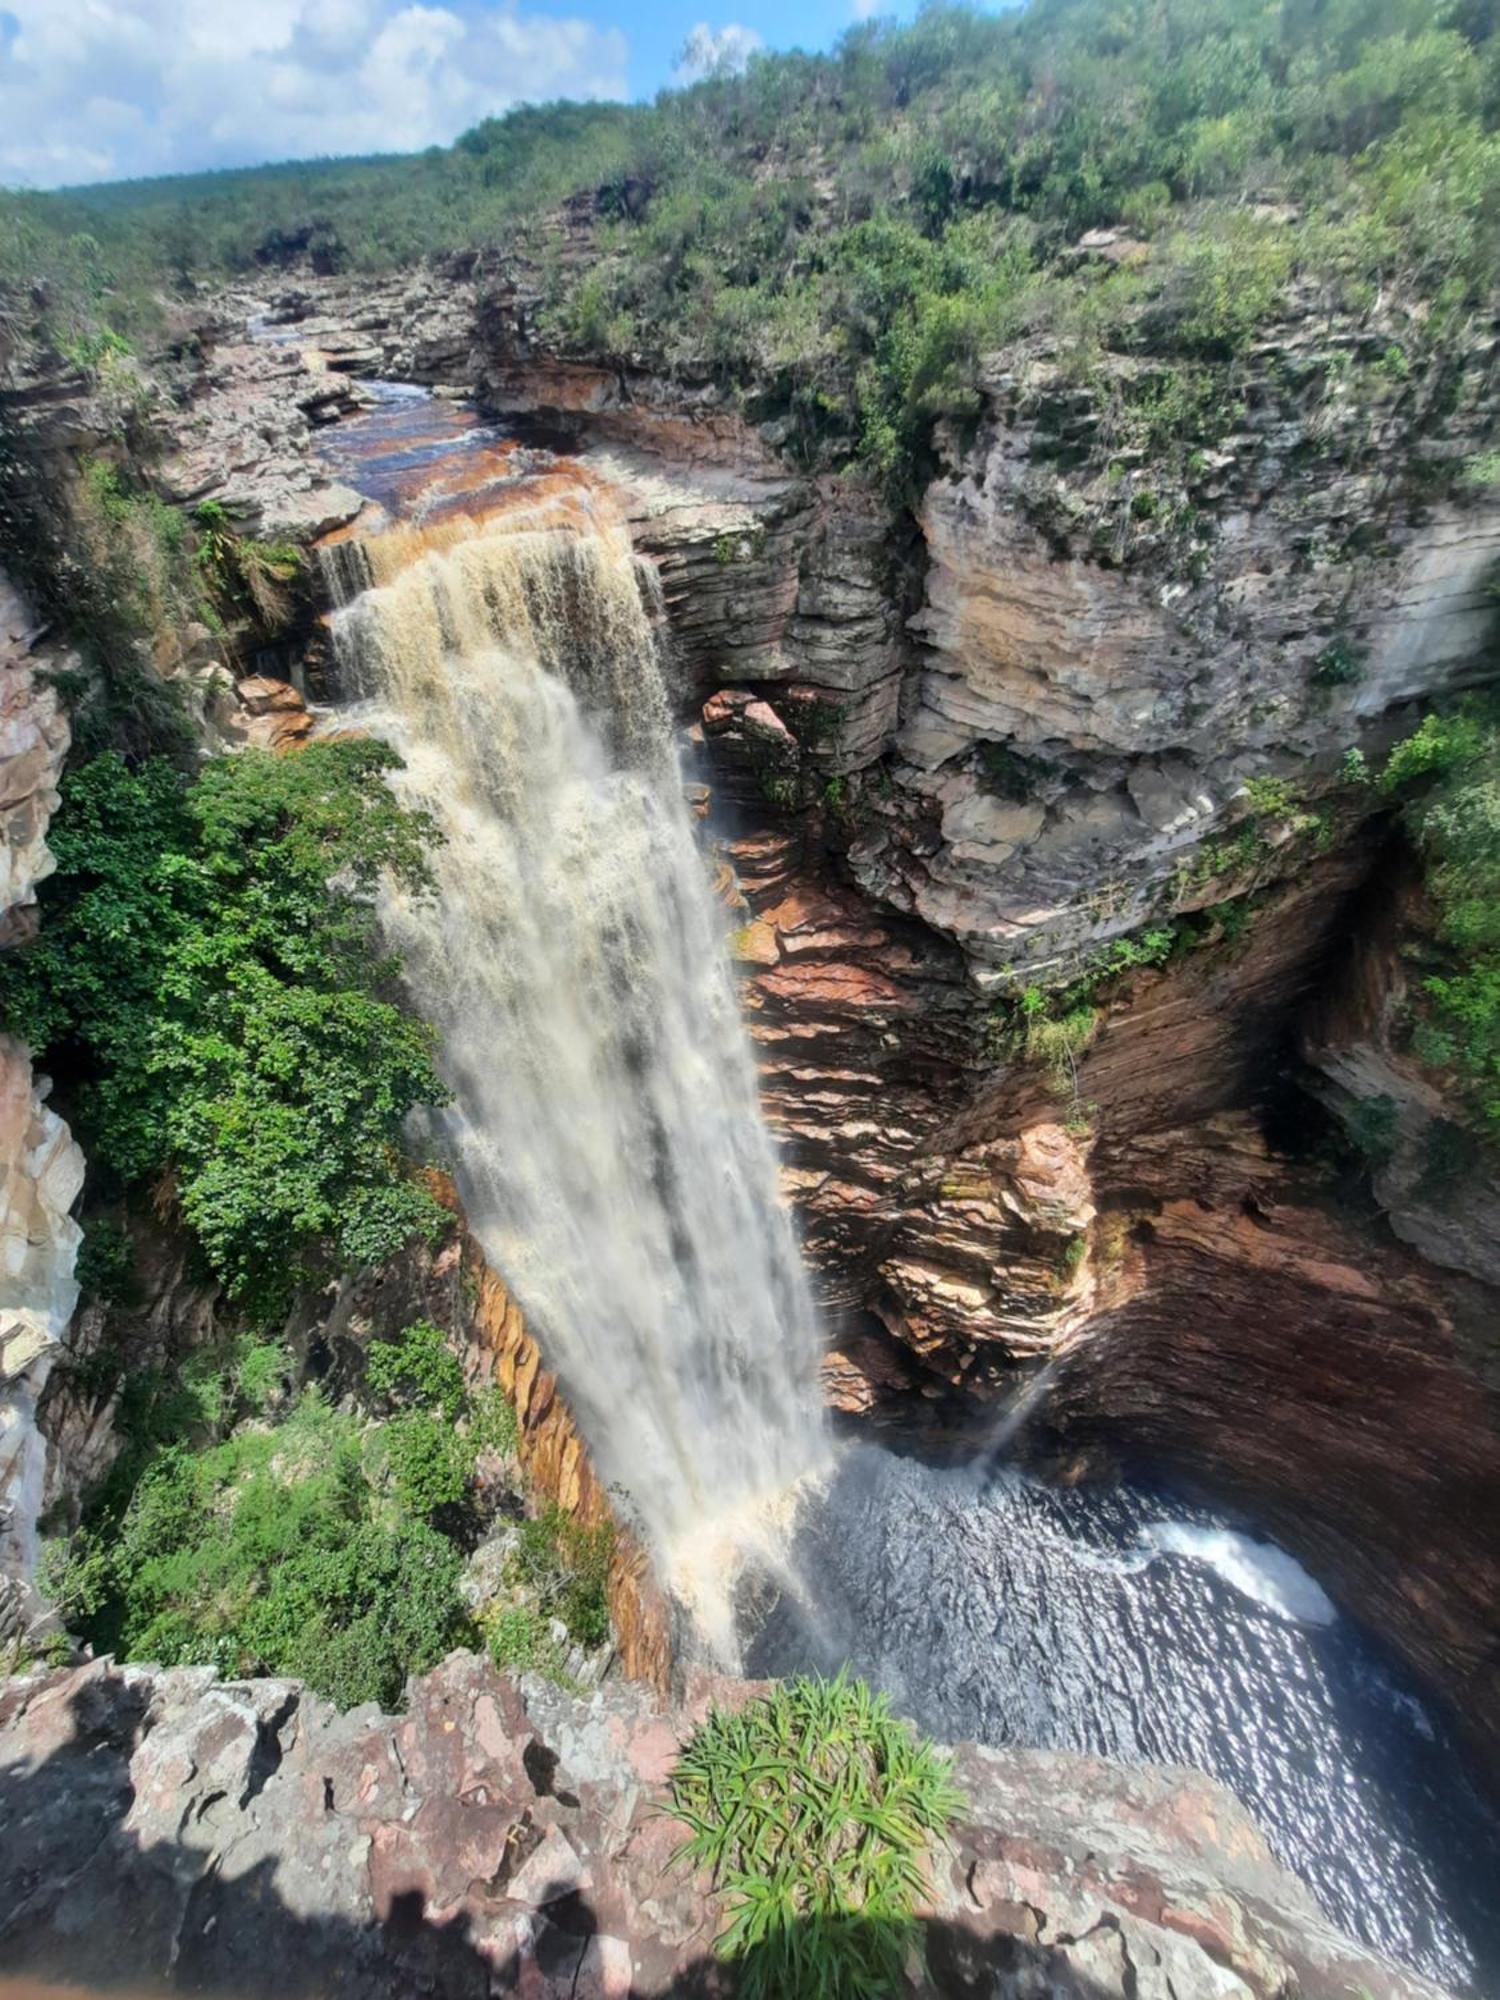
(104, 89)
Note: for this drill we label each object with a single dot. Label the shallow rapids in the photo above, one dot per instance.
(1120, 1624)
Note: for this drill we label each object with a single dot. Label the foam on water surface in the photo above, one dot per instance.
(1258, 1570)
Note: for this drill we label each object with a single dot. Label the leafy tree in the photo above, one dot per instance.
(420, 1368)
(208, 974)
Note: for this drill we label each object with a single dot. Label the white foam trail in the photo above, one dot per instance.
(606, 1127)
(1259, 1570)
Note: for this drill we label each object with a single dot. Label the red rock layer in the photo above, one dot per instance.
(1219, 1315)
(558, 1465)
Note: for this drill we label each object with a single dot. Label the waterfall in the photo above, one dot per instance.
(605, 1128)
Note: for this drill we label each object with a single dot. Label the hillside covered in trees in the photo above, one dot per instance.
(846, 234)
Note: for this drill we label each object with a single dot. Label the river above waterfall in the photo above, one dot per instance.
(1118, 1622)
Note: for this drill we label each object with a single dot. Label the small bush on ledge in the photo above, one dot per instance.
(816, 1809)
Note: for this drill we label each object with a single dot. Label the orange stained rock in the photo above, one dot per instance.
(558, 1465)
(833, 984)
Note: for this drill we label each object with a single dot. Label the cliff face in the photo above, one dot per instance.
(965, 763)
(168, 1829)
(41, 1169)
(949, 760)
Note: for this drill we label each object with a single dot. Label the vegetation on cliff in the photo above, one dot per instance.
(210, 982)
(816, 1811)
(848, 235)
(259, 1526)
(1449, 772)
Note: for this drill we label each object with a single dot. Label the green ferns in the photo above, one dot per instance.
(816, 1810)
(209, 983)
(1449, 772)
(244, 577)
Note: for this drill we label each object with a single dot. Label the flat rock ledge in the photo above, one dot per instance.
(163, 1828)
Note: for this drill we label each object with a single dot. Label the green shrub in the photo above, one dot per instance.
(257, 1533)
(1448, 772)
(492, 1422)
(566, 1567)
(518, 1640)
(260, 1372)
(1372, 1126)
(210, 979)
(269, 1551)
(1338, 665)
(817, 1812)
(244, 577)
(419, 1367)
(105, 1260)
(430, 1462)
(1272, 798)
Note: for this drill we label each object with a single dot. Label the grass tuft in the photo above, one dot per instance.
(816, 1810)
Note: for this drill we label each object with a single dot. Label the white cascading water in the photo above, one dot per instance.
(605, 1126)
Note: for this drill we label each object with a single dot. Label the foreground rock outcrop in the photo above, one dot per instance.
(164, 1828)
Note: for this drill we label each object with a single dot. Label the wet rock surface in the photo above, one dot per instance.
(501, 1838)
(41, 1172)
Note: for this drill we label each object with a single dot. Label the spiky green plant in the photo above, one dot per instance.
(816, 1810)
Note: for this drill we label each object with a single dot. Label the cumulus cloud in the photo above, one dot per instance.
(711, 52)
(99, 89)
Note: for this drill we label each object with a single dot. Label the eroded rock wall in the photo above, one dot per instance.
(950, 759)
(41, 1168)
(558, 1465)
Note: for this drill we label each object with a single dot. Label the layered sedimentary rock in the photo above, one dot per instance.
(954, 762)
(557, 1463)
(161, 1827)
(41, 1172)
(34, 738)
(1271, 1352)
(1144, 652)
(1438, 1189)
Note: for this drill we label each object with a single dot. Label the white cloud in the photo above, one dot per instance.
(708, 52)
(98, 89)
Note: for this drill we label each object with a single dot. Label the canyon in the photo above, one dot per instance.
(1159, 1224)
(937, 766)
